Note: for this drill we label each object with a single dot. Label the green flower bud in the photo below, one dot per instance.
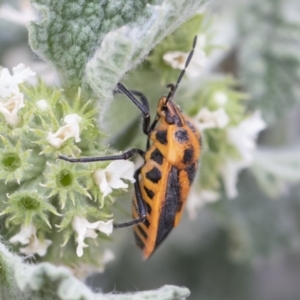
(13, 161)
(66, 181)
(28, 207)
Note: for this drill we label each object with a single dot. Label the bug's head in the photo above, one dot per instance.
(168, 111)
(163, 107)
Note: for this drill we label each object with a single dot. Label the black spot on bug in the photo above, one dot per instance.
(147, 223)
(169, 114)
(170, 207)
(181, 136)
(161, 136)
(138, 241)
(149, 209)
(188, 155)
(142, 232)
(191, 172)
(157, 156)
(149, 192)
(170, 119)
(154, 175)
(191, 126)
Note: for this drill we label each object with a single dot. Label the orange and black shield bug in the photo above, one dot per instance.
(170, 164)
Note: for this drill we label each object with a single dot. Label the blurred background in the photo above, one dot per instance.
(248, 247)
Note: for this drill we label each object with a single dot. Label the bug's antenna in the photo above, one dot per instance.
(173, 87)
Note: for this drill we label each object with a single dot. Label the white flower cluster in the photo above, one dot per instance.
(243, 137)
(11, 99)
(84, 229)
(107, 179)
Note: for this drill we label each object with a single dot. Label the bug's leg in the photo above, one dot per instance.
(136, 93)
(143, 106)
(125, 155)
(142, 97)
(151, 128)
(141, 206)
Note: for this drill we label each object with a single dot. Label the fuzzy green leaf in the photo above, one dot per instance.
(98, 42)
(275, 169)
(269, 54)
(46, 281)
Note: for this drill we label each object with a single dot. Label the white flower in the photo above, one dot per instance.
(197, 199)
(220, 98)
(11, 100)
(36, 246)
(71, 129)
(27, 236)
(42, 105)
(9, 83)
(21, 17)
(10, 108)
(243, 137)
(211, 119)
(177, 59)
(110, 177)
(23, 237)
(85, 229)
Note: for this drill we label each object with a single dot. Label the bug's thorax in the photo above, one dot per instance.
(169, 113)
(175, 136)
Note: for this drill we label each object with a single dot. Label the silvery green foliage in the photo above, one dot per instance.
(43, 281)
(269, 54)
(276, 169)
(101, 40)
(92, 44)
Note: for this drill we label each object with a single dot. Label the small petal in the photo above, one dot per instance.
(105, 227)
(24, 235)
(243, 137)
(211, 119)
(177, 60)
(27, 236)
(110, 177)
(10, 108)
(229, 172)
(122, 169)
(220, 98)
(42, 105)
(71, 129)
(36, 247)
(85, 229)
(21, 73)
(9, 83)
